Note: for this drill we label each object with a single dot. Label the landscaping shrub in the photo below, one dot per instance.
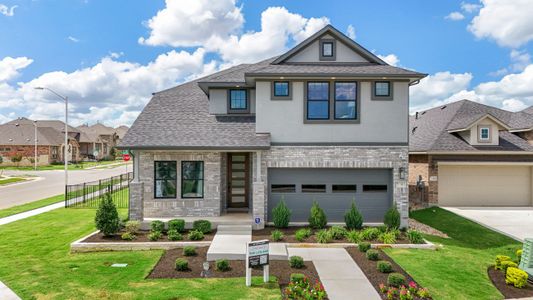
(415, 237)
(354, 236)
(353, 218)
(202, 225)
(302, 234)
(106, 219)
(189, 251)
(297, 277)
(281, 215)
(364, 246)
(182, 264)
(387, 238)
(372, 254)
(157, 226)
(323, 236)
(499, 260)
(382, 228)
(296, 262)
(519, 255)
(222, 265)
(174, 235)
(396, 232)
(132, 226)
(154, 235)
(196, 235)
(177, 224)
(276, 235)
(516, 277)
(337, 232)
(317, 217)
(508, 264)
(396, 279)
(392, 218)
(128, 236)
(384, 266)
(369, 233)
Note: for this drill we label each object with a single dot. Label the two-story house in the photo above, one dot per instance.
(469, 154)
(327, 121)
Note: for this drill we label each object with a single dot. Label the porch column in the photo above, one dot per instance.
(258, 195)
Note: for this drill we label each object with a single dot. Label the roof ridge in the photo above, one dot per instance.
(445, 127)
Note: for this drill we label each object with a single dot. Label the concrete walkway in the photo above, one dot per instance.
(230, 242)
(6, 293)
(515, 222)
(341, 276)
(31, 213)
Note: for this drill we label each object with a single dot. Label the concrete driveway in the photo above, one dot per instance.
(515, 222)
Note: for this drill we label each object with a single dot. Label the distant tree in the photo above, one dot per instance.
(16, 159)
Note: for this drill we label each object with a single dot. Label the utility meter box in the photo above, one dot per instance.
(526, 262)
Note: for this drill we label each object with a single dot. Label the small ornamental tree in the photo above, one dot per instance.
(281, 215)
(16, 159)
(392, 218)
(107, 220)
(317, 218)
(353, 218)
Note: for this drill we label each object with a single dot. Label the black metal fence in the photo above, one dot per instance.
(90, 194)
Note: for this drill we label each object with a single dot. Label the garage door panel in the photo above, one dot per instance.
(484, 185)
(335, 204)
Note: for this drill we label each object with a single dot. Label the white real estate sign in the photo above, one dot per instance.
(257, 253)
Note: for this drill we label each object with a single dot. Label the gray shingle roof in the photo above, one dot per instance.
(24, 134)
(179, 118)
(528, 110)
(430, 132)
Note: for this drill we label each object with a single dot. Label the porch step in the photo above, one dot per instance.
(230, 242)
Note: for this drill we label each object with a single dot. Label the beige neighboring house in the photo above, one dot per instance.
(17, 138)
(98, 141)
(470, 154)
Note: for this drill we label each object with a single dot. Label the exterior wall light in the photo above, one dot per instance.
(401, 172)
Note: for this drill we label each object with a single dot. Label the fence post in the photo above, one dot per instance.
(84, 191)
(66, 196)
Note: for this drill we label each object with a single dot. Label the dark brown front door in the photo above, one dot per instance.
(238, 180)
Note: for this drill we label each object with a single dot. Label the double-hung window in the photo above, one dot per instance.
(345, 100)
(317, 100)
(165, 179)
(238, 100)
(192, 179)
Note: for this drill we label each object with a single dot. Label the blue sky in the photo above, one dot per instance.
(108, 56)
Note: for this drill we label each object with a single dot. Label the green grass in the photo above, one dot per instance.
(31, 205)
(35, 262)
(459, 269)
(78, 166)
(11, 180)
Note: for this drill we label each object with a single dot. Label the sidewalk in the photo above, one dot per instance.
(6, 293)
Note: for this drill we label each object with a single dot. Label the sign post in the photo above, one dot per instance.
(526, 262)
(126, 157)
(257, 255)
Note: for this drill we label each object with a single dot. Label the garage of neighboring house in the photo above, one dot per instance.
(333, 189)
(484, 184)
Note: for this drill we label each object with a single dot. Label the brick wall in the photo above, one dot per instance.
(27, 152)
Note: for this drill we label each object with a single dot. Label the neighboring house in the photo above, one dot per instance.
(327, 121)
(98, 141)
(470, 154)
(17, 138)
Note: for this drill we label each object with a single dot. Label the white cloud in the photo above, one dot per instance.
(278, 26)
(73, 39)
(520, 59)
(191, 23)
(470, 7)
(350, 32)
(513, 105)
(507, 22)
(438, 87)
(455, 16)
(7, 11)
(9, 67)
(510, 86)
(391, 59)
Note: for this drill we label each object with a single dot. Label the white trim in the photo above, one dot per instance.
(479, 120)
(481, 138)
(483, 163)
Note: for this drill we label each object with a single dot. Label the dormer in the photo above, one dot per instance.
(482, 132)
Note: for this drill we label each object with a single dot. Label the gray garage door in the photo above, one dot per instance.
(334, 189)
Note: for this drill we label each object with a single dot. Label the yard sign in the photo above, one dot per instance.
(526, 262)
(257, 253)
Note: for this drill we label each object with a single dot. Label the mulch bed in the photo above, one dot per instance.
(141, 236)
(508, 291)
(165, 268)
(369, 267)
(288, 233)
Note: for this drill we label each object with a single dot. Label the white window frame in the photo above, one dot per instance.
(481, 138)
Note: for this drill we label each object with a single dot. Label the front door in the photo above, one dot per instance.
(238, 180)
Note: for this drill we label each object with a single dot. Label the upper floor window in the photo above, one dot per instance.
(238, 101)
(484, 133)
(382, 90)
(327, 49)
(281, 88)
(318, 100)
(346, 100)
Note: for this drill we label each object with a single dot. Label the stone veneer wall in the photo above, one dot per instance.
(210, 205)
(334, 157)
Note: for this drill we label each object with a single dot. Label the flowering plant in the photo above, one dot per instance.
(303, 289)
(408, 292)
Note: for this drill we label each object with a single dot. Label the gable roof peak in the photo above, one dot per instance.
(329, 29)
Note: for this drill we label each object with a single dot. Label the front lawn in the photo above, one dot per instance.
(459, 270)
(31, 205)
(36, 264)
(5, 181)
